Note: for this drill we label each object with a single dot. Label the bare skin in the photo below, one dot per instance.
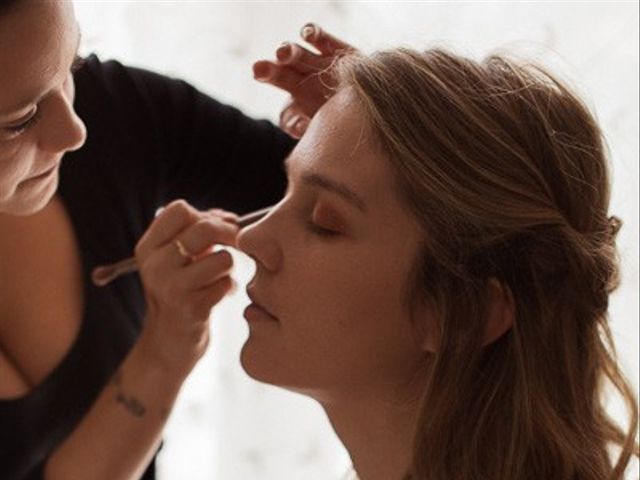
(332, 272)
(303, 73)
(37, 127)
(38, 148)
(343, 334)
(53, 280)
(44, 301)
(41, 293)
(136, 402)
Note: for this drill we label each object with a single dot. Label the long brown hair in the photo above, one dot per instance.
(506, 170)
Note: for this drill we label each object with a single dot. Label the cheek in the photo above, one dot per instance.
(348, 321)
(70, 89)
(349, 295)
(15, 164)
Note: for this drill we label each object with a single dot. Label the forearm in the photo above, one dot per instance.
(119, 435)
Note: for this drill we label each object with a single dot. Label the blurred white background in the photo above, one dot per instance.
(225, 425)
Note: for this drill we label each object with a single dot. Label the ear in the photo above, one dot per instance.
(500, 317)
(501, 311)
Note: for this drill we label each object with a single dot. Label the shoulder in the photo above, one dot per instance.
(120, 102)
(123, 86)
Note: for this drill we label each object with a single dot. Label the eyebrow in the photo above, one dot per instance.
(334, 186)
(25, 104)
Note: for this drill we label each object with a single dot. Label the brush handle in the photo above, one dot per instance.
(105, 274)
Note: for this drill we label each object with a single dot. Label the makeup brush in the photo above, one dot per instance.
(104, 274)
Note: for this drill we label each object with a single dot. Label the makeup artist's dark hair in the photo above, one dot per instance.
(505, 169)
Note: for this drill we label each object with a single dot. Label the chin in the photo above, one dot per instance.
(259, 367)
(250, 364)
(266, 370)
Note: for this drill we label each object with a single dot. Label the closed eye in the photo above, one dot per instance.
(15, 130)
(321, 231)
(24, 126)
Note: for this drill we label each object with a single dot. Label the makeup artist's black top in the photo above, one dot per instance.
(150, 140)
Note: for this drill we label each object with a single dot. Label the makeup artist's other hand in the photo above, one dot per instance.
(306, 75)
(183, 279)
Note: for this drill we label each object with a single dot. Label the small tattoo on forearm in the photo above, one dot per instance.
(131, 403)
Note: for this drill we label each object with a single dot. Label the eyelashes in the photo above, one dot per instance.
(24, 126)
(321, 231)
(324, 223)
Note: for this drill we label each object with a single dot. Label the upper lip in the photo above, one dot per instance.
(255, 299)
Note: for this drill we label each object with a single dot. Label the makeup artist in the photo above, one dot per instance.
(89, 150)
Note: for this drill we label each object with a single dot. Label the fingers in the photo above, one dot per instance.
(174, 218)
(206, 298)
(300, 59)
(326, 43)
(306, 75)
(201, 229)
(207, 232)
(296, 127)
(183, 278)
(206, 271)
(198, 240)
(224, 214)
(161, 256)
(279, 76)
(293, 120)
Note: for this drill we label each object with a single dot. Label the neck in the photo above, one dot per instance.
(377, 431)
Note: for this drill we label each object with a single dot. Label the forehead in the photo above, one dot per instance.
(35, 37)
(340, 144)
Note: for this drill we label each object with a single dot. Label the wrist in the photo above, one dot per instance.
(157, 364)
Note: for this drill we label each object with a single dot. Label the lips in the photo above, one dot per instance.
(258, 305)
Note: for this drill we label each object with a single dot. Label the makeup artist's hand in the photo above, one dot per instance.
(306, 75)
(183, 279)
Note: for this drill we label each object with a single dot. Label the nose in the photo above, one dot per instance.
(62, 130)
(260, 243)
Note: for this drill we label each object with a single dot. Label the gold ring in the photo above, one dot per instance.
(182, 250)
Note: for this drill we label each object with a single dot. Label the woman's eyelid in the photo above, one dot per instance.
(77, 64)
(328, 216)
(322, 212)
(14, 131)
(25, 119)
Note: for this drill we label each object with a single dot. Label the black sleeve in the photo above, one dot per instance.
(173, 141)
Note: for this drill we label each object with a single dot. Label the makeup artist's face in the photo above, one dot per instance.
(332, 265)
(38, 46)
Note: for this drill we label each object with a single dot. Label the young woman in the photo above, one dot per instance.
(437, 275)
(88, 153)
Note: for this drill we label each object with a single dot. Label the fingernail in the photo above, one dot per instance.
(261, 71)
(292, 122)
(283, 53)
(301, 126)
(225, 214)
(308, 31)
